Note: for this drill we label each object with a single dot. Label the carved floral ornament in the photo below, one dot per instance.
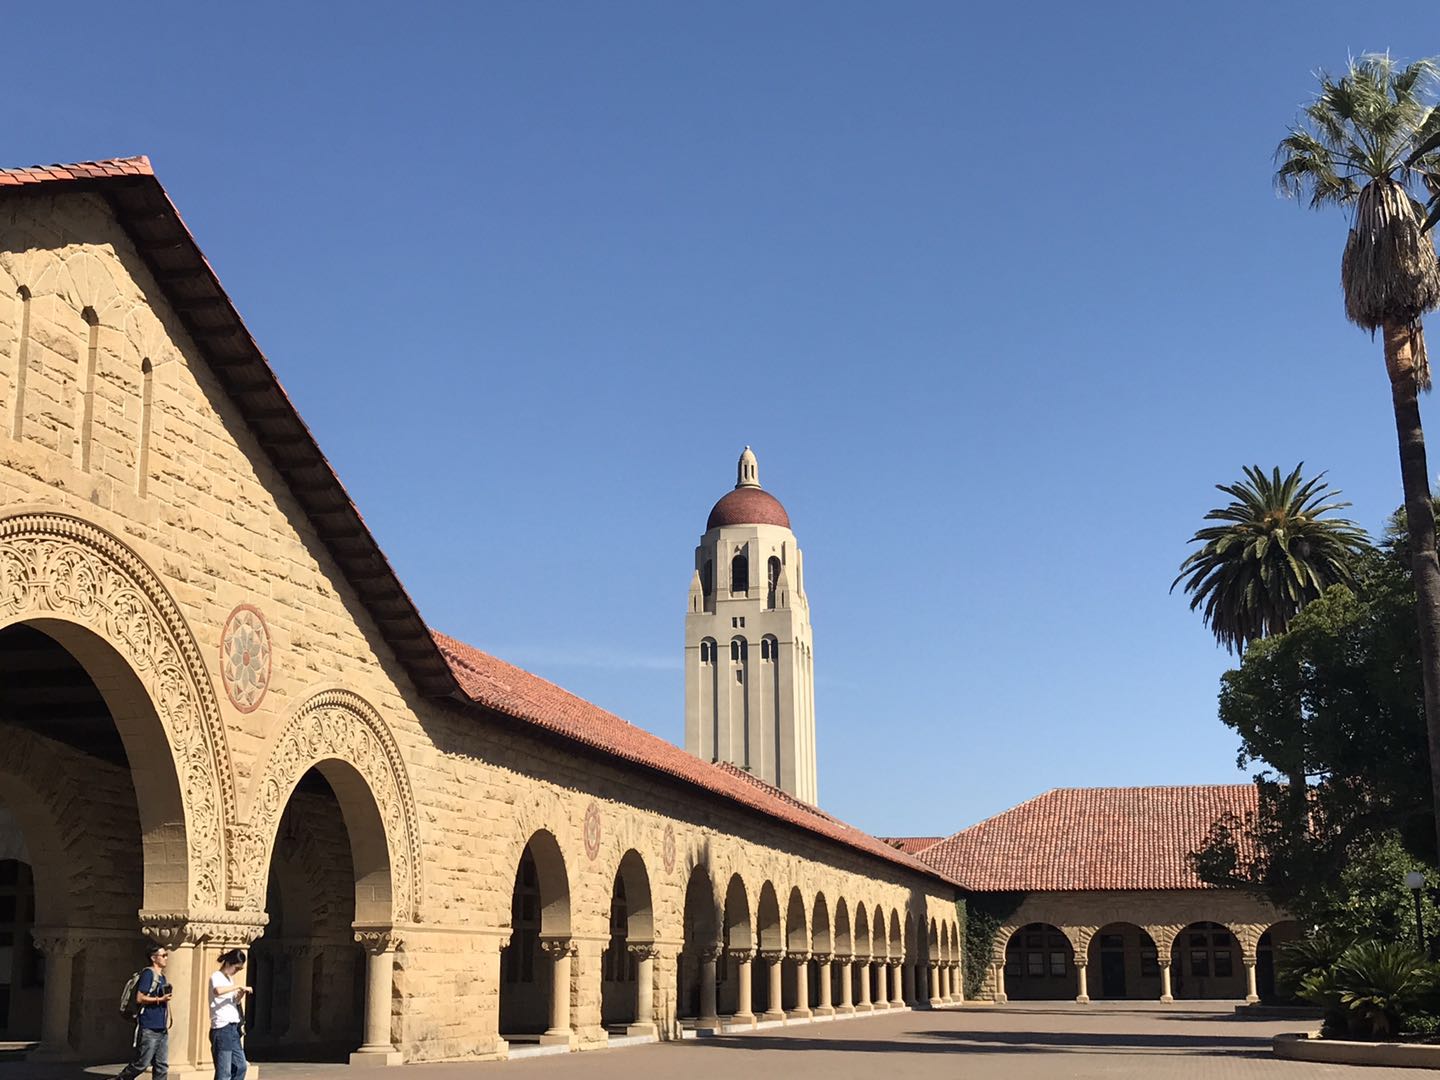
(592, 830)
(245, 658)
(668, 848)
(335, 724)
(57, 565)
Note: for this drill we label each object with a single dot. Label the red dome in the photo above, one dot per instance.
(748, 506)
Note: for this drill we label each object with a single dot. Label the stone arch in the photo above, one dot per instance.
(640, 911)
(861, 933)
(701, 921)
(897, 943)
(739, 928)
(554, 883)
(932, 940)
(844, 942)
(820, 931)
(797, 929)
(768, 928)
(880, 944)
(93, 594)
(341, 734)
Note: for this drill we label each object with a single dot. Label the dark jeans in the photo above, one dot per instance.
(229, 1054)
(152, 1051)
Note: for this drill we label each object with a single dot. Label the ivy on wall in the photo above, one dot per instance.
(981, 916)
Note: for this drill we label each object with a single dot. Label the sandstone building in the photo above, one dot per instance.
(1097, 897)
(225, 723)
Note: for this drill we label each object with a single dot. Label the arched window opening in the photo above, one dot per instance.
(707, 651)
(772, 576)
(707, 579)
(20, 990)
(739, 574)
(739, 652)
(769, 649)
(525, 923)
(22, 362)
(85, 435)
(618, 965)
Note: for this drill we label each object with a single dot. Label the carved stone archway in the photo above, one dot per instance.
(54, 566)
(331, 725)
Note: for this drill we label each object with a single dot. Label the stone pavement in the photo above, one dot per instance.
(1040, 1040)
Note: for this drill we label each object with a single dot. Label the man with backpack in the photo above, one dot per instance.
(146, 1000)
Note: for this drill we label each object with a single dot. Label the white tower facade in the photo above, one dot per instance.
(749, 678)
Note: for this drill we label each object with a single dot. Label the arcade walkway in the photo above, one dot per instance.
(1103, 1041)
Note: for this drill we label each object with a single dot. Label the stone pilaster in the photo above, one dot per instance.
(380, 943)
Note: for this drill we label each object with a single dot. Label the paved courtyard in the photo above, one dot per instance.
(1045, 1041)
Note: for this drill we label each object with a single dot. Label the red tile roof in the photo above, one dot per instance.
(911, 845)
(81, 170)
(747, 506)
(1091, 838)
(496, 685)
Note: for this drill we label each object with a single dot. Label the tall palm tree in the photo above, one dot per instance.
(1366, 143)
(1275, 553)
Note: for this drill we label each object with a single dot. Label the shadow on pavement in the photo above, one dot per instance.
(1011, 1042)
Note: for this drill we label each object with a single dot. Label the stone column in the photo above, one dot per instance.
(1252, 995)
(560, 951)
(897, 992)
(825, 1008)
(907, 989)
(862, 968)
(847, 988)
(1082, 969)
(645, 989)
(951, 982)
(709, 1010)
(744, 988)
(879, 998)
(1165, 994)
(59, 948)
(195, 947)
(380, 944)
(302, 991)
(774, 958)
(802, 987)
(1000, 996)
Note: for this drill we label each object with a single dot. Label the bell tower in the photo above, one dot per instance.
(749, 683)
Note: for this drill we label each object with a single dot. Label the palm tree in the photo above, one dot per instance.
(1275, 553)
(1367, 142)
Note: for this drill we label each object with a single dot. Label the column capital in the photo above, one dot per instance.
(57, 942)
(821, 957)
(559, 947)
(378, 939)
(773, 956)
(742, 956)
(1249, 961)
(712, 952)
(193, 927)
(895, 961)
(299, 950)
(648, 951)
(799, 957)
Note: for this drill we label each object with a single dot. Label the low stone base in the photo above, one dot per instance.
(558, 1038)
(363, 1056)
(824, 1010)
(1308, 1046)
(641, 1030)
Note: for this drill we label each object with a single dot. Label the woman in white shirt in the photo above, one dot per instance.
(226, 997)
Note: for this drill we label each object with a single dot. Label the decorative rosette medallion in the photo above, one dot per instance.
(592, 830)
(668, 850)
(245, 658)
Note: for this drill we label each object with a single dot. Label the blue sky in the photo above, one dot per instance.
(997, 293)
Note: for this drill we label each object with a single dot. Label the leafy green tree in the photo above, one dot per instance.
(1336, 703)
(1275, 552)
(1362, 145)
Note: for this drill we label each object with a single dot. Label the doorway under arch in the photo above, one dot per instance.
(1124, 964)
(1040, 965)
(535, 966)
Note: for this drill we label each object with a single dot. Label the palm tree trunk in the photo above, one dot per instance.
(1400, 357)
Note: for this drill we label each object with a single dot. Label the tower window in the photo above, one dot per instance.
(707, 578)
(772, 588)
(739, 652)
(707, 651)
(740, 574)
(769, 649)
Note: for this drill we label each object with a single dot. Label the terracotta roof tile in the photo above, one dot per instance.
(1091, 838)
(80, 170)
(494, 684)
(911, 845)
